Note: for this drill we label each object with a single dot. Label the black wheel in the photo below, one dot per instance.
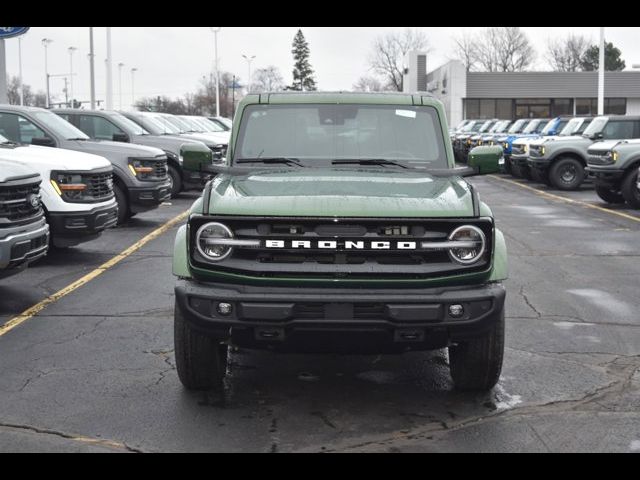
(525, 172)
(123, 205)
(476, 364)
(507, 166)
(201, 360)
(630, 190)
(176, 181)
(566, 174)
(515, 170)
(537, 175)
(608, 195)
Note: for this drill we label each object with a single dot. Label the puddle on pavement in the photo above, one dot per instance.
(604, 301)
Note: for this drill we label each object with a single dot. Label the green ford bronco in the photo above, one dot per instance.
(340, 223)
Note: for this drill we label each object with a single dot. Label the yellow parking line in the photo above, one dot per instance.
(568, 200)
(36, 309)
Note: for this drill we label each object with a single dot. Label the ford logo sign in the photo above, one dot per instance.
(8, 32)
(34, 201)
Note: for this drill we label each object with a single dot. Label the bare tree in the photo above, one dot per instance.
(565, 55)
(267, 79)
(504, 49)
(389, 51)
(466, 50)
(368, 84)
(30, 99)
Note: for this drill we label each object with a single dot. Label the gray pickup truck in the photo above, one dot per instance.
(111, 125)
(24, 233)
(139, 173)
(614, 166)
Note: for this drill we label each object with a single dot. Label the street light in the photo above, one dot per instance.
(249, 60)
(215, 31)
(71, 50)
(120, 65)
(133, 95)
(45, 44)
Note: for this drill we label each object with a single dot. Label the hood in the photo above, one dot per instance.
(572, 138)
(165, 142)
(606, 145)
(341, 193)
(107, 148)
(209, 138)
(524, 140)
(14, 171)
(48, 158)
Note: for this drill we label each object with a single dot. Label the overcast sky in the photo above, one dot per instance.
(172, 60)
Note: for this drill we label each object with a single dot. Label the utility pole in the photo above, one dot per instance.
(601, 74)
(3, 74)
(20, 70)
(66, 91)
(233, 98)
(249, 60)
(45, 43)
(92, 71)
(71, 50)
(109, 75)
(120, 65)
(133, 95)
(215, 31)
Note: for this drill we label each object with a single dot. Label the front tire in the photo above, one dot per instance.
(630, 190)
(201, 360)
(567, 174)
(537, 175)
(476, 364)
(176, 181)
(124, 213)
(608, 195)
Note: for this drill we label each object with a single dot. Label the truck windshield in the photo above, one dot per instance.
(501, 126)
(317, 134)
(571, 127)
(518, 126)
(59, 126)
(534, 126)
(165, 125)
(132, 127)
(486, 126)
(596, 126)
(208, 125)
(556, 125)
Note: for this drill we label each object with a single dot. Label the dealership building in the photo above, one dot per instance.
(511, 95)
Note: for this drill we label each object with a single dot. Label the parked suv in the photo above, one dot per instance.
(614, 166)
(532, 129)
(76, 192)
(561, 162)
(110, 125)
(139, 173)
(24, 233)
(340, 223)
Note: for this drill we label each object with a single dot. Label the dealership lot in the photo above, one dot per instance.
(94, 371)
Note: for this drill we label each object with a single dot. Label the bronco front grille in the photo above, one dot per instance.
(600, 157)
(339, 261)
(17, 204)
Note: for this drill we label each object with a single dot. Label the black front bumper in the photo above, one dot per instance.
(68, 229)
(142, 199)
(538, 163)
(606, 176)
(352, 320)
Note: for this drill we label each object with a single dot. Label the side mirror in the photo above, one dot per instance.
(196, 158)
(121, 137)
(486, 159)
(43, 142)
(597, 136)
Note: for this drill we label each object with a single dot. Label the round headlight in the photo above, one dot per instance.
(206, 241)
(468, 254)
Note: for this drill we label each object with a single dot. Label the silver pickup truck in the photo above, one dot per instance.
(24, 233)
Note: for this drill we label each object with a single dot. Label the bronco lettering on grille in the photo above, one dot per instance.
(341, 245)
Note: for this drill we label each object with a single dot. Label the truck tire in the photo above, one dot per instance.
(201, 360)
(567, 173)
(630, 190)
(525, 172)
(176, 181)
(515, 171)
(124, 213)
(537, 175)
(608, 195)
(476, 364)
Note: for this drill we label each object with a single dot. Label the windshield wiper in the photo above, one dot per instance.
(272, 160)
(368, 161)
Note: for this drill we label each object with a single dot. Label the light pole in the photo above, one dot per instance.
(109, 75)
(249, 60)
(215, 31)
(20, 70)
(92, 71)
(45, 44)
(601, 74)
(120, 65)
(71, 50)
(133, 95)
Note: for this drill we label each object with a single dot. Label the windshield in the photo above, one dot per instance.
(133, 127)
(208, 125)
(468, 127)
(225, 121)
(180, 125)
(192, 124)
(502, 126)
(165, 125)
(532, 127)
(596, 126)
(60, 126)
(556, 125)
(518, 126)
(3, 140)
(486, 126)
(316, 135)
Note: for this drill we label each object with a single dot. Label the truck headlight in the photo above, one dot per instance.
(69, 186)
(542, 151)
(139, 170)
(614, 156)
(210, 241)
(505, 145)
(472, 236)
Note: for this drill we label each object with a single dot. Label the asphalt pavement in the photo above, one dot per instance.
(94, 370)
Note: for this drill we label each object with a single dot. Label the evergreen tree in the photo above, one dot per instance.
(302, 71)
(612, 61)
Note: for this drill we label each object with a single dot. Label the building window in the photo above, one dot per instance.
(504, 108)
(472, 109)
(487, 108)
(561, 107)
(612, 106)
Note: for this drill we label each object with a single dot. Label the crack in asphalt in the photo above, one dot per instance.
(76, 438)
(526, 299)
(622, 382)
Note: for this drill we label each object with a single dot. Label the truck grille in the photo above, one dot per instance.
(340, 263)
(600, 157)
(535, 150)
(159, 166)
(99, 185)
(16, 203)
